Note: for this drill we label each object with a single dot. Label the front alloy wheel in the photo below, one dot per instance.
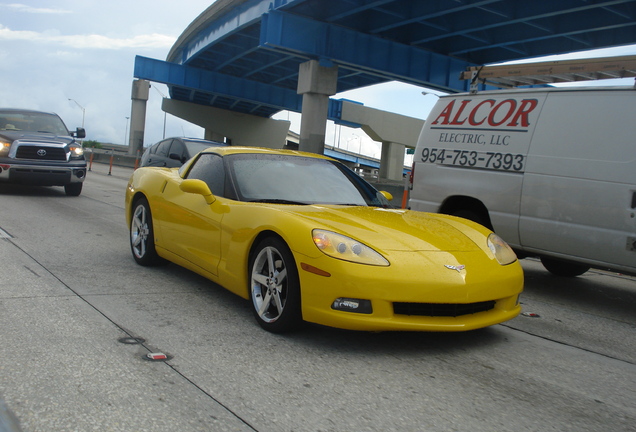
(275, 287)
(142, 240)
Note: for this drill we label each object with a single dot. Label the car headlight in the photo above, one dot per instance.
(4, 147)
(76, 151)
(346, 248)
(500, 249)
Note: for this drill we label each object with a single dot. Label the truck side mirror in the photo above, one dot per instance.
(79, 133)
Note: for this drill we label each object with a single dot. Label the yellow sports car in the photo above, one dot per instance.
(306, 239)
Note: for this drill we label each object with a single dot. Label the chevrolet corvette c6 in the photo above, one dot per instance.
(306, 239)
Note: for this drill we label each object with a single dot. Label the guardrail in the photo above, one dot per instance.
(111, 156)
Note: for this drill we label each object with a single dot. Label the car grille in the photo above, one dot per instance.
(50, 153)
(442, 309)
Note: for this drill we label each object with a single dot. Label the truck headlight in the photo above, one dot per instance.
(76, 151)
(4, 147)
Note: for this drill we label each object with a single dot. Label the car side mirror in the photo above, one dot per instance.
(175, 156)
(387, 195)
(198, 187)
(79, 133)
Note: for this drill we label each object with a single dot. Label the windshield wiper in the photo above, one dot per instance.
(277, 201)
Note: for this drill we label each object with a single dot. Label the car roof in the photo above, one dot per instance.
(24, 111)
(199, 140)
(230, 150)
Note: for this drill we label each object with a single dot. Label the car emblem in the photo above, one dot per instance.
(459, 268)
(41, 152)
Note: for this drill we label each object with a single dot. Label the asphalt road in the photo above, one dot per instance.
(78, 316)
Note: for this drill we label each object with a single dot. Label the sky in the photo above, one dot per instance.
(76, 58)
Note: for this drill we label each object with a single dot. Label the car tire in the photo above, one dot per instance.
(142, 235)
(274, 286)
(73, 189)
(563, 268)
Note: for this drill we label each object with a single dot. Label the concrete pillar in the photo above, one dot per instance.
(140, 91)
(237, 128)
(392, 162)
(316, 83)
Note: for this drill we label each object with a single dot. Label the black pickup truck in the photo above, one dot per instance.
(36, 148)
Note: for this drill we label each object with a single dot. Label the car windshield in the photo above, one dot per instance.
(195, 147)
(32, 122)
(288, 179)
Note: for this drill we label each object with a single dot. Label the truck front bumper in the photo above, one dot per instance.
(42, 174)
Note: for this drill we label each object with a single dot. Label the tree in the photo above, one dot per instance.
(92, 143)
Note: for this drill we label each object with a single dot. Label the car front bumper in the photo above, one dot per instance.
(421, 294)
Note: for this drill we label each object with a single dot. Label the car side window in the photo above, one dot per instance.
(209, 168)
(177, 148)
(163, 147)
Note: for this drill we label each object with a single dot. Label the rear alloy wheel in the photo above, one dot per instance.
(275, 286)
(73, 189)
(142, 237)
(563, 268)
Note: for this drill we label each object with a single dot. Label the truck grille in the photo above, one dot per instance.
(442, 309)
(41, 153)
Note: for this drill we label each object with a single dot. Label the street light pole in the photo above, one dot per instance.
(126, 134)
(83, 110)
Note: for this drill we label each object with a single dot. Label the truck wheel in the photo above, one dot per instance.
(563, 268)
(73, 189)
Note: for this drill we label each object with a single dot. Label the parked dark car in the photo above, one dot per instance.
(173, 152)
(36, 148)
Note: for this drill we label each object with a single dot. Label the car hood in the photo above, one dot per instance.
(36, 137)
(395, 229)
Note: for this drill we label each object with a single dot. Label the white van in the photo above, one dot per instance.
(552, 171)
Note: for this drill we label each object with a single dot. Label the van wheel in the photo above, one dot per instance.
(563, 268)
(470, 215)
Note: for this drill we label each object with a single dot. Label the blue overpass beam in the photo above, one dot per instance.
(284, 32)
(215, 83)
(199, 80)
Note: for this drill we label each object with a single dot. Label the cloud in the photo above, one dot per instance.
(91, 41)
(29, 9)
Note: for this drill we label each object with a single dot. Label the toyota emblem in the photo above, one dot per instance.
(41, 152)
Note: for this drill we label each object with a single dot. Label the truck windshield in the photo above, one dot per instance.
(32, 122)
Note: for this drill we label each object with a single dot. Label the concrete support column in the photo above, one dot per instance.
(316, 83)
(140, 91)
(392, 162)
(236, 128)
